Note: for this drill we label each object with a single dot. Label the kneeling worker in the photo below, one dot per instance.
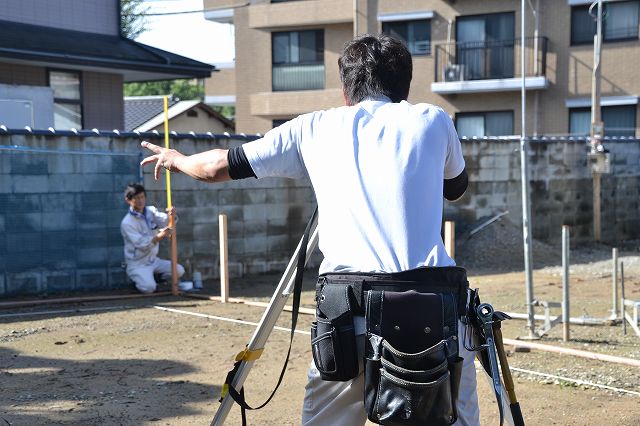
(143, 227)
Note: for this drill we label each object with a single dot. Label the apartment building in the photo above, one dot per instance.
(466, 59)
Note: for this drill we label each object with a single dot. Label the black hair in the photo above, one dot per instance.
(374, 65)
(132, 190)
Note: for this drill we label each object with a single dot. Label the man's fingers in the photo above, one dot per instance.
(156, 171)
(150, 159)
(151, 147)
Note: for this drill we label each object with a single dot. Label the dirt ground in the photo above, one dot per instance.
(126, 362)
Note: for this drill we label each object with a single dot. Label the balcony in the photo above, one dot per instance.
(489, 66)
(300, 13)
(288, 77)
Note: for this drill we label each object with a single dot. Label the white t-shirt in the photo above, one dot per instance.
(377, 169)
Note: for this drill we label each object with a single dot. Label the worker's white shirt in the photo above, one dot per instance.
(138, 229)
(377, 169)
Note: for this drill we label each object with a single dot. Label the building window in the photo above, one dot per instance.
(619, 120)
(67, 99)
(620, 22)
(485, 45)
(279, 122)
(298, 60)
(495, 123)
(415, 34)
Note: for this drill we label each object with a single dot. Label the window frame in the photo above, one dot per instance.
(321, 51)
(69, 101)
(484, 118)
(407, 22)
(602, 108)
(585, 8)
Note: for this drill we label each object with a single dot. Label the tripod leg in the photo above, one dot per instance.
(267, 322)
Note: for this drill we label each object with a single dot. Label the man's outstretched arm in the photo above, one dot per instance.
(208, 166)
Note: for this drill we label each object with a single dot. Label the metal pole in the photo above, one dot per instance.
(614, 309)
(565, 284)
(524, 168)
(268, 321)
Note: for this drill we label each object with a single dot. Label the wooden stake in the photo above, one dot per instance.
(224, 259)
(450, 238)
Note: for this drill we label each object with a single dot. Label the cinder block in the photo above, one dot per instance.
(6, 183)
(96, 164)
(24, 242)
(277, 244)
(23, 283)
(97, 182)
(64, 164)
(205, 231)
(96, 238)
(56, 281)
(29, 164)
(30, 184)
(91, 200)
(277, 266)
(59, 259)
(2, 287)
(22, 261)
(91, 279)
(91, 219)
(255, 245)
(255, 267)
(117, 278)
(255, 227)
(59, 221)
(254, 196)
(230, 197)
(93, 257)
(202, 215)
(236, 270)
(73, 182)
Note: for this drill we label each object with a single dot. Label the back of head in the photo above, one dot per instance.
(132, 190)
(375, 65)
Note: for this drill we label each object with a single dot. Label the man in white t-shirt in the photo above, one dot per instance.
(379, 167)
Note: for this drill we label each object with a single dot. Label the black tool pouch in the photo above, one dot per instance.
(333, 339)
(412, 367)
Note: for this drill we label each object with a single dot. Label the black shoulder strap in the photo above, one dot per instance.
(297, 289)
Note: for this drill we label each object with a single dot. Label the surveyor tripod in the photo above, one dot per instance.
(245, 359)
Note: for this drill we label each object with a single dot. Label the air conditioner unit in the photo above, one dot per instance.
(453, 72)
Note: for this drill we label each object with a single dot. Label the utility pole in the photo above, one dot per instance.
(598, 158)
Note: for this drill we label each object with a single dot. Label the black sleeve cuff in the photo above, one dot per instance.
(455, 188)
(239, 167)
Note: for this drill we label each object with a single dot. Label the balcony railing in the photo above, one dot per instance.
(484, 60)
(297, 77)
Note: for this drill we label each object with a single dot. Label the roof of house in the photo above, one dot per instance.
(144, 113)
(140, 109)
(137, 61)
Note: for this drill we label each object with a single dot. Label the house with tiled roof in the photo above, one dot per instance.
(146, 114)
(63, 64)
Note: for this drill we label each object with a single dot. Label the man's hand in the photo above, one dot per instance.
(164, 233)
(163, 157)
(171, 211)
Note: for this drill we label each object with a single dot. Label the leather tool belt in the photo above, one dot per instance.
(411, 363)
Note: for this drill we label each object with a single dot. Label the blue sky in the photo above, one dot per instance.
(188, 34)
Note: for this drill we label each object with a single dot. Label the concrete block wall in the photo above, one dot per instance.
(61, 207)
(60, 214)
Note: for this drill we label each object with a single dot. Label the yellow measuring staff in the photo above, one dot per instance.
(166, 145)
